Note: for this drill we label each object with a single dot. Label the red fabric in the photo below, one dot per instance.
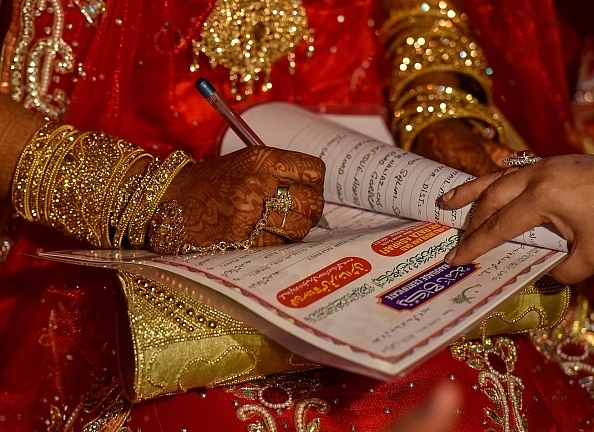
(363, 404)
(524, 43)
(57, 321)
(143, 89)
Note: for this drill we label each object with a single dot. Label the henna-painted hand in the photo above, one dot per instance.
(456, 144)
(223, 199)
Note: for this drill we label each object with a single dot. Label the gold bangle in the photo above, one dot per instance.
(152, 194)
(122, 198)
(53, 165)
(80, 188)
(425, 106)
(26, 170)
(130, 207)
(119, 191)
(66, 178)
(433, 10)
(432, 38)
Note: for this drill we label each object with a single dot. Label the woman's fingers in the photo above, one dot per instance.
(496, 226)
(471, 191)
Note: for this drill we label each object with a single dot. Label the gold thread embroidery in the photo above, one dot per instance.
(571, 344)
(495, 360)
(180, 343)
(31, 78)
(295, 387)
(248, 37)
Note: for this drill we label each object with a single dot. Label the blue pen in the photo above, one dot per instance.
(235, 122)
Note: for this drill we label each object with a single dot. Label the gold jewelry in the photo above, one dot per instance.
(432, 38)
(151, 194)
(167, 232)
(69, 180)
(248, 37)
(117, 197)
(39, 148)
(425, 106)
(64, 142)
(282, 203)
(135, 198)
(522, 158)
(279, 231)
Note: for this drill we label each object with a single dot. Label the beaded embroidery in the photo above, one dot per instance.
(181, 343)
(247, 37)
(268, 397)
(495, 360)
(571, 344)
(33, 66)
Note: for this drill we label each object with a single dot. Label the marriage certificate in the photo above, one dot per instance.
(373, 294)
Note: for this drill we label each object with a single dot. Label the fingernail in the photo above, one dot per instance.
(450, 256)
(447, 196)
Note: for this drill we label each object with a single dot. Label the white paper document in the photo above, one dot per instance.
(373, 295)
(369, 173)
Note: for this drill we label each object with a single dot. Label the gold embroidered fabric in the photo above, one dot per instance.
(172, 342)
(264, 401)
(248, 37)
(495, 360)
(34, 64)
(541, 305)
(571, 343)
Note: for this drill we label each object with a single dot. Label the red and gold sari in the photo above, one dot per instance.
(127, 70)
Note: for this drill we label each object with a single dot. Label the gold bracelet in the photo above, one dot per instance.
(42, 199)
(82, 185)
(433, 10)
(130, 207)
(151, 196)
(433, 39)
(119, 193)
(167, 233)
(66, 178)
(425, 106)
(30, 166)
(122, 198)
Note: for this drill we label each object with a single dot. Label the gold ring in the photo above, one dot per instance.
(282, 202)
(279, 231)
(522, 158)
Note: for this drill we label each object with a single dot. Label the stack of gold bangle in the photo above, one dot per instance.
(434, 37)
(82, 183)
(143, 203)
(426, 105)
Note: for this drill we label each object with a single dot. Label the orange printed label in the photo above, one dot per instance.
(400, 242)
(325, 281)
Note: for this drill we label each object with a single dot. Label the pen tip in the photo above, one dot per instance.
(204, 87)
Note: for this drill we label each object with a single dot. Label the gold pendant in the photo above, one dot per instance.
(248, 37)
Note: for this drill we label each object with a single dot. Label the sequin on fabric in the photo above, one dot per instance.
(269, 397)
(495, 360)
